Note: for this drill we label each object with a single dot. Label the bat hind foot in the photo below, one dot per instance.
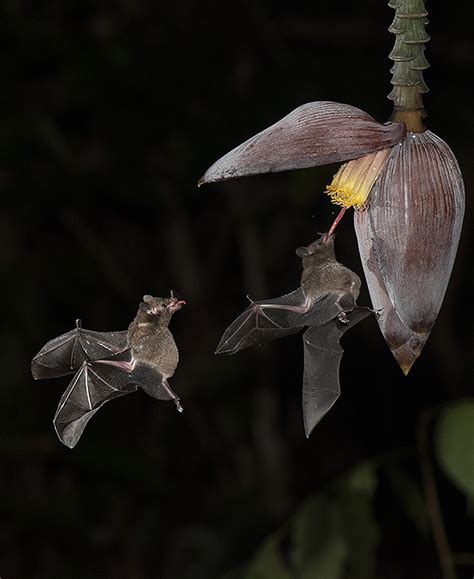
(172, 395)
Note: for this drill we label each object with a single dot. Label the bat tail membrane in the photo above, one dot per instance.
(322, 359)
(153, 383)
(94, 384)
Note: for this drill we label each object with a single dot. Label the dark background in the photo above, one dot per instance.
(110, 112)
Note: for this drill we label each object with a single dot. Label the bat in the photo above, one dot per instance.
(326, 303)
(107, 365)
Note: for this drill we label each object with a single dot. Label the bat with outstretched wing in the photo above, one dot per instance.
(111, 364)
(66, 353)
(325, 302)
(267, 320)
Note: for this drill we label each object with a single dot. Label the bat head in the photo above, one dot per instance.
(160, 310)
(319, 251)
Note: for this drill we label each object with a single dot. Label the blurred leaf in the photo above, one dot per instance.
(328, 563)
(333, 534)
(410, 497)
(268, 563)
(318, 549)
(455, 444)
(360, 528)
(362, 478)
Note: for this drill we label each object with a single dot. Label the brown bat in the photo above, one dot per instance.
(111, 364)
(326, 303)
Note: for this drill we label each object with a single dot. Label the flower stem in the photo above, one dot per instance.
(409, 62)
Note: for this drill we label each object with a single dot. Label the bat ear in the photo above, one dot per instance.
(303, 252)
(147, 299)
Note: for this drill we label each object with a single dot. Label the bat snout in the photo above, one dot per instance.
(176, 304)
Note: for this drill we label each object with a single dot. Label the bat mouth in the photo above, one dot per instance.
(312, 248)
(175, 304)
(328, 238)
(152, 308)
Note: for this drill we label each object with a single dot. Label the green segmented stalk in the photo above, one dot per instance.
(408, 55)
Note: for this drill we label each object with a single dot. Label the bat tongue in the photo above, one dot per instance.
(176, 305)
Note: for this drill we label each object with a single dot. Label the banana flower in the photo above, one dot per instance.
(402, 180)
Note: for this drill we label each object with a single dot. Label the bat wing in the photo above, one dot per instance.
(94, 384)
(152, 381)
(322, 358)
(267, 320)
(325, 308)
(263, 321)
(66, 353)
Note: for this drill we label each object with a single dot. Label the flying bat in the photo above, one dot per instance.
(326, 303)
(107, 365)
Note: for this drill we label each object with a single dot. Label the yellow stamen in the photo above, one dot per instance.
(354, 180)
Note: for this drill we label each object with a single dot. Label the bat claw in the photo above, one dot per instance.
(250, 299)
(179, 408)
(342, 317)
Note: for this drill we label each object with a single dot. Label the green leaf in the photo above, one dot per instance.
(329, 562)
(362, 478)
(268, 562)
(410, 497)
(455, 444)
(318, 546)
(310, 527)
(361, 531)
(333, 535)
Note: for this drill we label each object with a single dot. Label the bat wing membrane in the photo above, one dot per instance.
(325, 308)
(66, 353)
(263, 321)
(152, 382)
(94, 384)
(322, 358)
(267, 320)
